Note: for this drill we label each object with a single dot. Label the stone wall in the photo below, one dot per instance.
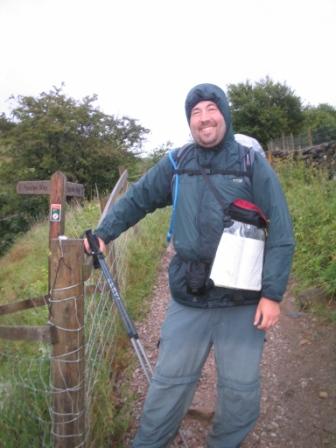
(322, 155)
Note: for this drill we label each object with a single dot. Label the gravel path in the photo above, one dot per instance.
(298, 375)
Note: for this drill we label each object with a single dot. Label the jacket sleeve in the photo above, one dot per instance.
(152, 191)
(279, 248)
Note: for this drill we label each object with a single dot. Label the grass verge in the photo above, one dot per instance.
(312, 203)
(24, 379)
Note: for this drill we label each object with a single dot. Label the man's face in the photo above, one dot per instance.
(207, 124)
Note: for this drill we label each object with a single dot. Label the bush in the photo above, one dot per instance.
(312, 203)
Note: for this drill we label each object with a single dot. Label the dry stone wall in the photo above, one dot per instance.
(322, 155)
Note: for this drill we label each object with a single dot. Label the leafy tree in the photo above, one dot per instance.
(53, 132)
(265, 110)
(147, 160)
(321, 121)
(5, 124)
(160, 152)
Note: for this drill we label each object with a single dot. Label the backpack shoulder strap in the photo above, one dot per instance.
(175, 157)
(246, 156)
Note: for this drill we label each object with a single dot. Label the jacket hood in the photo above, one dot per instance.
(211, 92)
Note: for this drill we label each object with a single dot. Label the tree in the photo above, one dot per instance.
(5, 124)
(321, 121)
(265, 110)
(159, 152)
(53, 132)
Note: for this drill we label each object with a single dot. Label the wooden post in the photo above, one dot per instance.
(67, 360)
(310, 137)
(58, 189)
(292, 143)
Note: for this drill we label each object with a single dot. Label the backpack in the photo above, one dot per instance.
(177, 157)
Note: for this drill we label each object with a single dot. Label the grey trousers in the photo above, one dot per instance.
(187, 336)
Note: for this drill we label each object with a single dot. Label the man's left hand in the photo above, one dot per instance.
(267, 314)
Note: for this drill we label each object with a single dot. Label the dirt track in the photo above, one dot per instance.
(299, 380)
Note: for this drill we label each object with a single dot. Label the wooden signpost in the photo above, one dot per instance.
(66, 317)
(58, 189)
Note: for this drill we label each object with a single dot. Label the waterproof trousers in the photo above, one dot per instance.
(187, 336)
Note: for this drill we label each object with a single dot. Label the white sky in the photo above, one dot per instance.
(141, 57)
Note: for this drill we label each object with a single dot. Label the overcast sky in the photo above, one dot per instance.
(141, 57)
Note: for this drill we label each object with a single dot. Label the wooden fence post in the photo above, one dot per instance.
(292, 143)
(67, 360)
(58, 189)
(310, 137)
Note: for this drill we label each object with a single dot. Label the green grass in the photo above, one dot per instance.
(24, 269)
(145, 245)
(24, 398)
(144, 253)
(312, 202)
(24, 274)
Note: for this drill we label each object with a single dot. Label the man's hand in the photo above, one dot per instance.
(267, 314)
(87, 249)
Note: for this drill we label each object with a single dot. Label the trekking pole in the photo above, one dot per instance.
(99, 261)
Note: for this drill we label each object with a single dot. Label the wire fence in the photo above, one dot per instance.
(101, 332)
(26, 391)
(25, 397)
(35, 377)
(296, 142)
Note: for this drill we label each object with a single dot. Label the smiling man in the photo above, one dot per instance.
(207, 124)
(201, 180)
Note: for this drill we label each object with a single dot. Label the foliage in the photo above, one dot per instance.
(147, 161)
(24, 274)
(314, 264)
(23, 270)
(160, 152)
(18, 214)
(314, 224)
(143, 253)
(321, 121)
(24, 413)
(153, 157)
(265, 110)
(5, 124)
(53, 132)
(147, 246)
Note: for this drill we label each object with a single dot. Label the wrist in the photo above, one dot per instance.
(270, 299)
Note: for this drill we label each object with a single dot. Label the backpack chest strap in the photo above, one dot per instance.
(210, 171)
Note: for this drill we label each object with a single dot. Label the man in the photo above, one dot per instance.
(250, 143)
(233, 322)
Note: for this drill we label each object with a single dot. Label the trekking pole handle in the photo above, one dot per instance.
(93, 242)
(99, 261)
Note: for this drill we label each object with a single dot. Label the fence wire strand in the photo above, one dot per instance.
(26, 390)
